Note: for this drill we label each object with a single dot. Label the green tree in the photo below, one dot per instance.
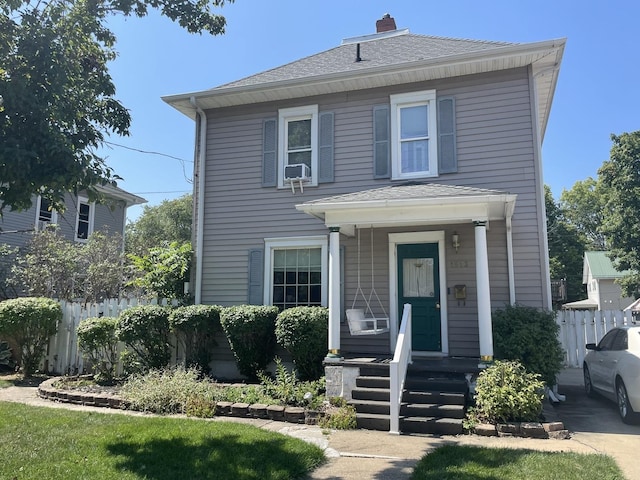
(163, 271)
(57, 98)
(566, 248)
(52, 266)
(165, 223)
(620, 175)
(584, 207)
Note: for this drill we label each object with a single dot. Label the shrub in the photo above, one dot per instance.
(196, 326)
(145, 330)
(506, 392)
(288, 390)
(530, 336)
(29, 322)
(303, 332)
(168, 391)
(97, 340)
(341, 417)
(250, 330)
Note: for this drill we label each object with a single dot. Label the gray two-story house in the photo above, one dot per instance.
(393, 169)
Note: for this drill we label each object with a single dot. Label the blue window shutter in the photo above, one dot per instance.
(447, 159)
(381, 142)
(270, 153)
(256, 276)
(325, 153)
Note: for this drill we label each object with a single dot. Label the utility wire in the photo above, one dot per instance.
(150, 152)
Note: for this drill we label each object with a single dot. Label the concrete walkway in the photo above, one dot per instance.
(364, 454)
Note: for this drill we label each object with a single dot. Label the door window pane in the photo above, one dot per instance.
(417, 277)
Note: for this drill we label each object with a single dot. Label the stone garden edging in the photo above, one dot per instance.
(277, 413)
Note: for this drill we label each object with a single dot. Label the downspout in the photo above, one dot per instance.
(201, 144)
(510, 267)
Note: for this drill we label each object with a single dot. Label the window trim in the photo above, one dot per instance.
(285, 115)
(293, 243)
(92, 208)
(54, 214)
(404, 100)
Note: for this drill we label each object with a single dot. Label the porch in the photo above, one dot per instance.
(416, 227)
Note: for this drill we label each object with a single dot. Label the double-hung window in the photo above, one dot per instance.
(84, 219)
(45, 215)
(296, 271)
(298, 141)
(414, 148)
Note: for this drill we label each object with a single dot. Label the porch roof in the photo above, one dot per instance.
(411, 204)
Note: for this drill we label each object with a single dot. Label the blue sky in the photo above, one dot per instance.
(597, 92)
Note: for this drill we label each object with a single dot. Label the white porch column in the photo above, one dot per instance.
(334, 295)
(485, 328)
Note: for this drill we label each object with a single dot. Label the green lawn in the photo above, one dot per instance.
(474, 463)
(5, 383)
(41, 443)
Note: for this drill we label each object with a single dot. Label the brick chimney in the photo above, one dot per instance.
(385, 24)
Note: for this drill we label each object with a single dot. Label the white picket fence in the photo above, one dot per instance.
(579, 327)
(63, 355)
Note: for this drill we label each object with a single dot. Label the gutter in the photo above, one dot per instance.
(200, 151)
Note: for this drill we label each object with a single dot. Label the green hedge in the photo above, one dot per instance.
(303, 332)
(250, 330)
(530, 336)
(98, 341)
(29, 322)
(196, 326)
(145, 330)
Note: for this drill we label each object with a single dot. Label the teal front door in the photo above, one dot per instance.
(419, 285)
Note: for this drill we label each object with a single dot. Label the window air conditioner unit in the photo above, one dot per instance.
(298, 171)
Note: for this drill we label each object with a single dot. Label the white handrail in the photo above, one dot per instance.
(398, 369)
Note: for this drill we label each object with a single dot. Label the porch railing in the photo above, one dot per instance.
(398, 369)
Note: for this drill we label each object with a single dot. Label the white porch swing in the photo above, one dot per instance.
(362, 321)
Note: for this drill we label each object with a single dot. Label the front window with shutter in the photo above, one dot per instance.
(295, 271)
(414, 146)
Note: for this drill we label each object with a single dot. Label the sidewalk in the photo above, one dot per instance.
(352, 454)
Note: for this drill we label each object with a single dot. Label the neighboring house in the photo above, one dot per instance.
(408, 161)
(603, 293)
(79, 220)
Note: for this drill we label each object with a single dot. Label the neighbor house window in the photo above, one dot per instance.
(84, 219)
(414, 149)
(298, 142)
(45, 215)
(296, 271)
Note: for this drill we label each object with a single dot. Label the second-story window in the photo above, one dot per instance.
(84, 220)
(298, 144)
(45, 215)
(414, 149)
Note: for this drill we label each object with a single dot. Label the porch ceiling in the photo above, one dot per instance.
(410, 205)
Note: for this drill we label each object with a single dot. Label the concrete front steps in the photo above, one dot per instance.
(432, 402)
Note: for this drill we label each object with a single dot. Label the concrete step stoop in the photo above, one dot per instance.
(432, 403)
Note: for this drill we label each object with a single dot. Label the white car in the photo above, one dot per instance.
(612, 369)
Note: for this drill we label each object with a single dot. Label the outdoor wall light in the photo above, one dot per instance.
(455, 241)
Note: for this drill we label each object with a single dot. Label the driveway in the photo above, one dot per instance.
(595, 423)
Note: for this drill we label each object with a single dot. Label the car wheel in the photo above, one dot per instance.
(624, 407)
(588, 386)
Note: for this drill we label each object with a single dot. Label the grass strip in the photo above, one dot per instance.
(472, 463)
(61, 444)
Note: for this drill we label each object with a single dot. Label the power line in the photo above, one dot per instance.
(150, 152)
(170, 191)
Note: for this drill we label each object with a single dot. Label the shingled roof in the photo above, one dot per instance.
(378, 50)
(393, 57)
